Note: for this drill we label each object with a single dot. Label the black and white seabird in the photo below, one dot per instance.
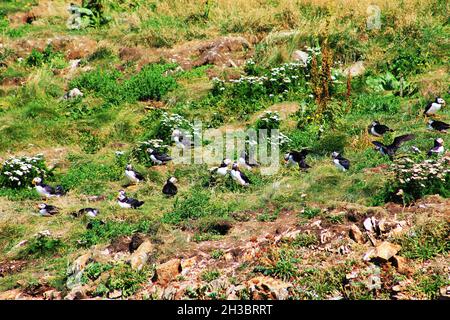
(297, 158)
(438, 147)
(434, 106)
(181, 140)
(238, 176)
(126, 202)
(47, 210)
(158, 158)
(438, 125)
(170, 189)
(90, 212)
(133, 175)
(391, 149)
(340, 162)
(47, 191)
(222, 169)
(245, 161)
(377, 129)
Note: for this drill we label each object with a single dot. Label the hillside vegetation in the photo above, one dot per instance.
(380, 230)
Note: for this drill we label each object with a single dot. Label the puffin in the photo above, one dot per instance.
(133, 175)
(238, 176)
(127, 203)
(438, 147)
(391, 149)
(434, 106)
(297, 158)
(47, 210)
(90, 212)
(340, 162)
(438, 125)
(222, 169)
(244, 161)
(170, 189)
(377, 129)
(47, 191)
(158, 158)
(181, 140)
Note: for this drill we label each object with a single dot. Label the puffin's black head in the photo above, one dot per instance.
(335, 154)
(42, 206)
(235, 166)
(439, 141)
(36, 181)
(129, 167)
(149, 150)
(440, 100)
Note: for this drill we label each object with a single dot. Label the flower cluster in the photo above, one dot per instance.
(269, 120)
(414, 180)
(274, 82)
(18, 172)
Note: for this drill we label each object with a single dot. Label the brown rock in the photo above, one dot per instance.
(140, 257)
(401, 264)
(264, 287)
(384, 251)
(356, 234)
(10, 294)
(167, 271)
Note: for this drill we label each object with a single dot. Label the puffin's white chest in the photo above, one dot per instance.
(131, 175)
(91, 214)
(435, 107)
(373, 132)
(222, 171)
(236, 175)
(339, 165)
(124, 204)
(41, 190)
(153, 158)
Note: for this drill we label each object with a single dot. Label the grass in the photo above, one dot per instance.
(124, 102)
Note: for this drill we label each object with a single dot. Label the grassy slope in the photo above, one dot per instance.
(32, 121)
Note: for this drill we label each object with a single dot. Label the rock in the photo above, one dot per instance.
(140, 257)
(264, 287)
(187, 264)
(300, 56)
(115, 294)
(167, 271)
(10, 294)
(444, 293)
(355, 69)
(75, 271)
(401, 264)
(77, 293)
(383, 251)
(52, 295)
(356, 234)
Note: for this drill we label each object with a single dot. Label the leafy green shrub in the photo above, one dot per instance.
(94, 270)
(17, 173)
(48, 55)
(101, 83)
(305, 240)
(217, 254)
(310, 212)
(90, 142)
(210, 275)
(150, 83)
(194, 205)
(279, 263)
(376, 103)
(127, 280)
(41, 245)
